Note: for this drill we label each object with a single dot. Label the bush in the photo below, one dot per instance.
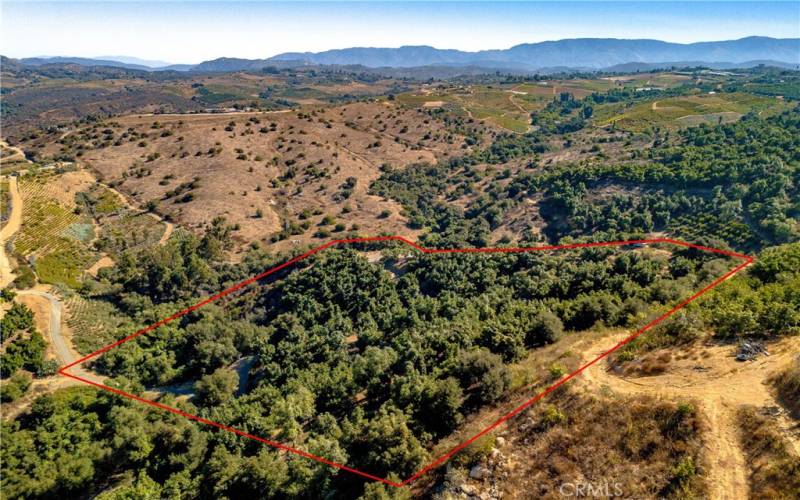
(15, 387)
(25, 277)
(544, 329)
(216, 388)
(485, 373)
(19, 317)
(557, 370)
(49, 368)
(552, 416)
(777, 262)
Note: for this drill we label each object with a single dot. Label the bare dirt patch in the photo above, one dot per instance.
(69, 184)
(720, 385)
(104, 261)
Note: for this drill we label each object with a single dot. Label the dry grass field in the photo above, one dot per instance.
(303, 174)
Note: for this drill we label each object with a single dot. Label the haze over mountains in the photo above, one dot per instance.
(580, 53)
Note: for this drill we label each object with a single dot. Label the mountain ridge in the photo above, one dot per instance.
(592, 54)
(595, 53)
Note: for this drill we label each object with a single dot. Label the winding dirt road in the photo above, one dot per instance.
(17, 154)
(9, 229)
(61, 346)
(719, 385)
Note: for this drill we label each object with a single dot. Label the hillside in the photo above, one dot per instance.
(174, 240)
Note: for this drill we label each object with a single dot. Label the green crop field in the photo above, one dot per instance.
(696, 227)
(65, 265)
(502, 106)
(5, 201)
(100, 201)
(54, 236)
(679, 112)
(47, 226)
(93, 322)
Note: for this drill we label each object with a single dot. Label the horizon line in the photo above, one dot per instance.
(144, 59)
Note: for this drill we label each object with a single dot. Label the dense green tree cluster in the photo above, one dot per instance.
(764, 303)
(373, 367)
(24, 350)
(18, 318)
(768, 81)
(562, 115)
(742, 176)
(741, 173)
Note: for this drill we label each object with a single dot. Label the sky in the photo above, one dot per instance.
(194, 31)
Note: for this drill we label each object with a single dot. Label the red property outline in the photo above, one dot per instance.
(439, 461)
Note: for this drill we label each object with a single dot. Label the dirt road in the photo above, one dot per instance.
(61, 346)
(242, 368)
(17, 153)
(719, 385)
(169, 227)
(11, 227)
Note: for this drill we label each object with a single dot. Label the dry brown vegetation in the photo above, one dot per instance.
(287, 176)
(787, 384)
(638, 447)
(774, 470)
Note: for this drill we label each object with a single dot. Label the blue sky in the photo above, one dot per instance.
(189, 32)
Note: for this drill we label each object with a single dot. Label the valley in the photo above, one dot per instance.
(132, 196)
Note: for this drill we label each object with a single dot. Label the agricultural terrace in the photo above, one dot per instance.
(53, 235)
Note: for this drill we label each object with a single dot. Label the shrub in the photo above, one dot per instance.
(557, 370)
(787, 383)
(217, 387)
(775, 471)
(552, 416)
(15, 387)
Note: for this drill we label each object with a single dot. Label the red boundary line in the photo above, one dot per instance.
(439, 461)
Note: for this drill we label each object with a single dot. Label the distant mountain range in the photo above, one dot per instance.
(136, 61)
(579, 54)
(81, 61)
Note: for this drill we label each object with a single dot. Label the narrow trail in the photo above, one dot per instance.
(719, 385)
(9, 229)
(170, 227)
(516, 104)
